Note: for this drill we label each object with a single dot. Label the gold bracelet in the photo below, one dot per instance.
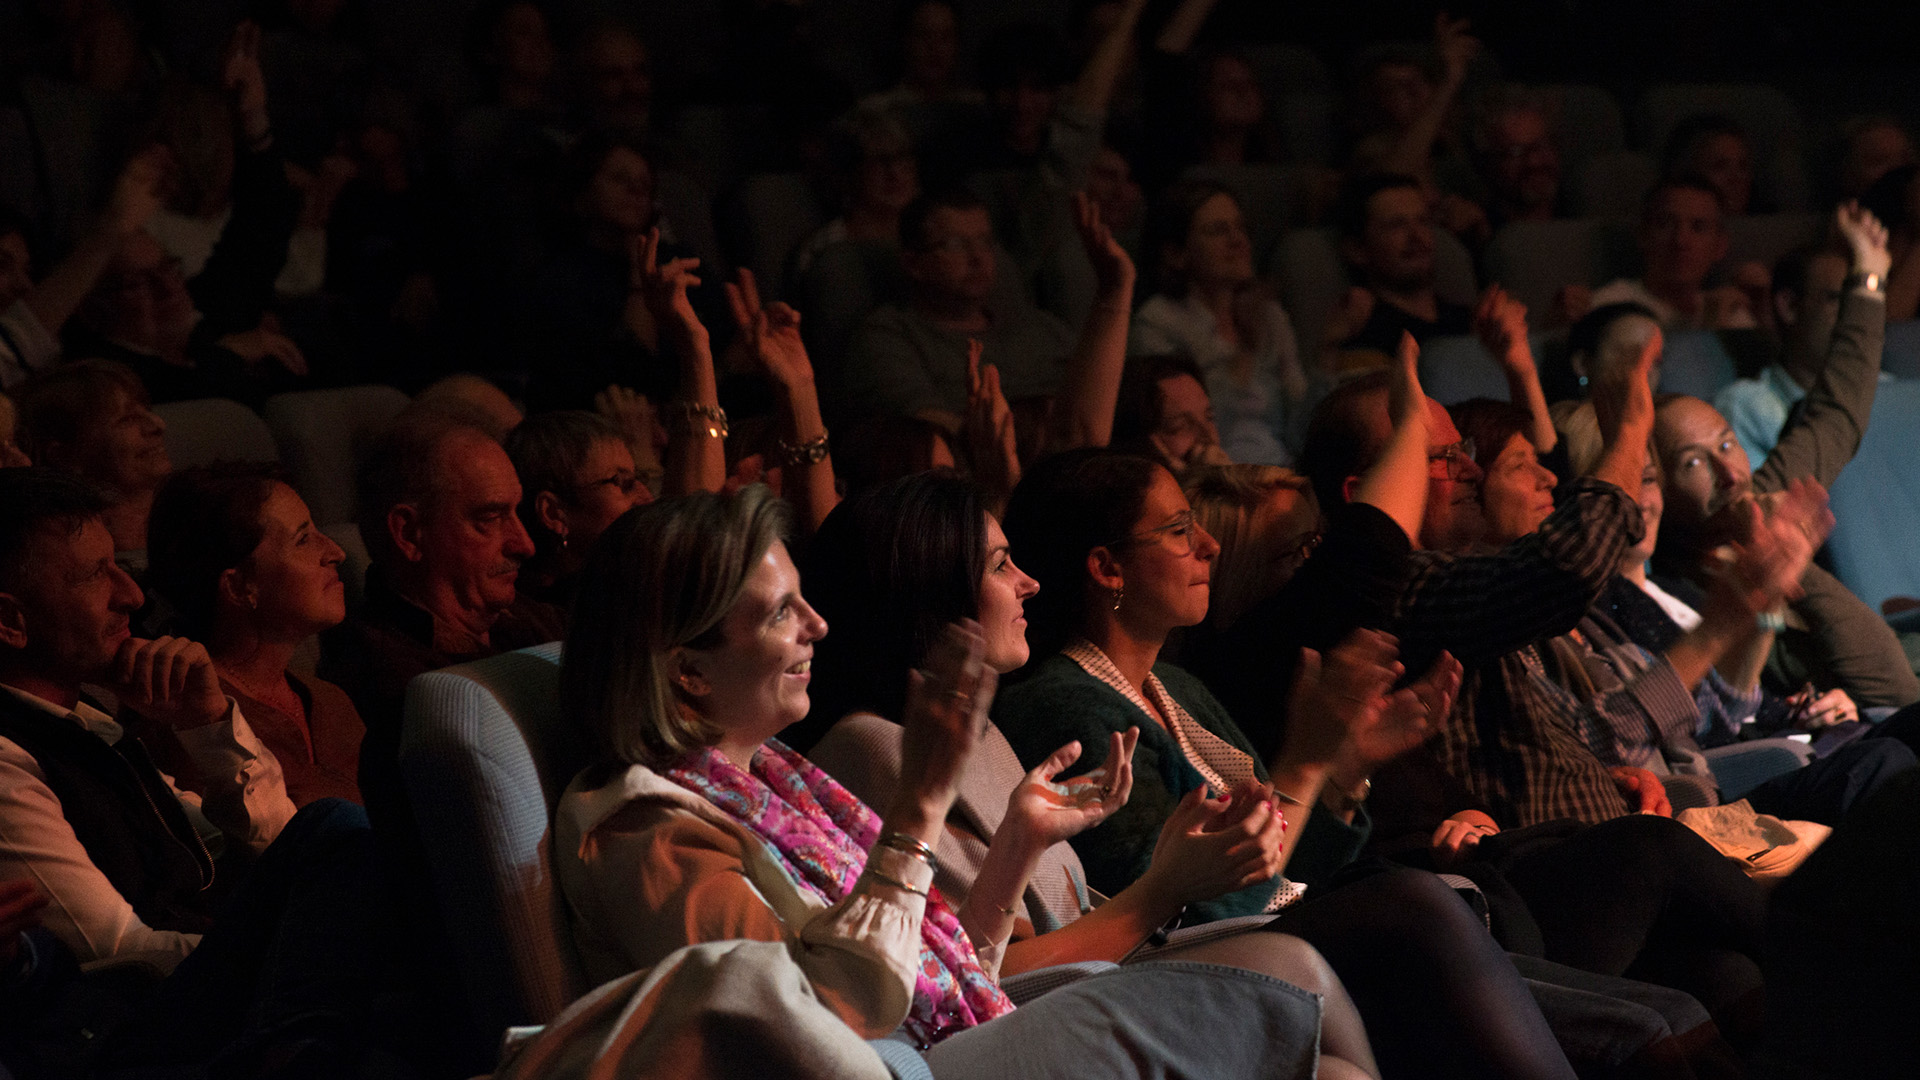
(895, 882)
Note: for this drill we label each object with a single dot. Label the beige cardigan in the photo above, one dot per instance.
(649, 867)
(863, 753)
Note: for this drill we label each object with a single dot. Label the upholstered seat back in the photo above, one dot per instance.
(485, 755)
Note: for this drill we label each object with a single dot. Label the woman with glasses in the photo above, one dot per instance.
(1121, 564)
(576, 477)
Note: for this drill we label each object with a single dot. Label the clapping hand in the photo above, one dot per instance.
(992, 440)
(1500, 321)
(1112, 266)
(1044, 811)
(1866, 238)
(947, 710)
(245, 83)
(1211, 847)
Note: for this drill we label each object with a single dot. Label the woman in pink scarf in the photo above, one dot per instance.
(690, 648)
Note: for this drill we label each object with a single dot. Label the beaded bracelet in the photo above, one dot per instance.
(707, 420)
(808, 452)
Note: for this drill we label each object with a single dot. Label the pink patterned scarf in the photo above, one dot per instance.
(820, 833)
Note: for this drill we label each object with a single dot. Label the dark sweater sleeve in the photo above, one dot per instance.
(236, 286)
(1354, 579)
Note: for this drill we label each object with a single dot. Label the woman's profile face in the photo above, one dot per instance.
(756, 679)
(604, 488)
(1516, 495)
(295, 570)
(620, 196)
(1218, 251)
(1004, 590)
(1166, 561)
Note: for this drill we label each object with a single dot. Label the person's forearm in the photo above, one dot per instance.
(1397, 483)
(1414, 148)
(58, 295)
(1297, 786)
(1624, 458)
(1091, 389)
(1523, 389)
(808, 485)
(994, 898)
(696, 455)
(1183, 26)
(1108, 932)
(1094, 89)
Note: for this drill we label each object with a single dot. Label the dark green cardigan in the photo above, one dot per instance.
(1060, 702)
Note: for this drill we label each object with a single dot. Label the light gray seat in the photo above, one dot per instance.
(1900, 357)
(1876, 502)
(1613, 184)
(766, 219)
(323, 436)
(1586, 122)
(1534, 260)
(207, 430)
(485, 755)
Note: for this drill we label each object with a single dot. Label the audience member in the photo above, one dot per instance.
(125, 858)
(1211, 307)
(1407, 124)
(876, 177)
(1164, 413)
(576, 476)
(1807, 286)
(616, 90)
(1682, 237)
(1717, 149)
(1875, 146)
(34, 312)
(1833, 639)
(472, 400)
(1386, 236)
(237, 555)
(929, 61)
(91, 418)
(911, 361)
(1518, 159)
(695, 803)
(212, 336)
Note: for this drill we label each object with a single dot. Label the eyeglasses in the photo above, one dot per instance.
(1300, 547)
(624, 481)
(1451, 462)
(1182, 529)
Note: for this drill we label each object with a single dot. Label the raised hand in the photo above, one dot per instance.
(664, 288)
(1457, 48)
(244, 82)
(1211, 847)
(992, 441)
(1043, 811)
(170, 680)
(1774, 541)
(1112, 266)
(1500, 321)
(1866, 237)
(1406, 400)
(947, 707)
(772, 333)
(1622, 394)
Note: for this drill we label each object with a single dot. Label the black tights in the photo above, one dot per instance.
(1647, 898)
(1438, 994)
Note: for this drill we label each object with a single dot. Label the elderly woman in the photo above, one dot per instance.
(696, 826)
(235, 552)
(576, 477)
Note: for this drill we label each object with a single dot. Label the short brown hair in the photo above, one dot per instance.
(57, 404)
(661, 578)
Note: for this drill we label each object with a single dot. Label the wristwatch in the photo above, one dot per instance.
(1866, 281)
